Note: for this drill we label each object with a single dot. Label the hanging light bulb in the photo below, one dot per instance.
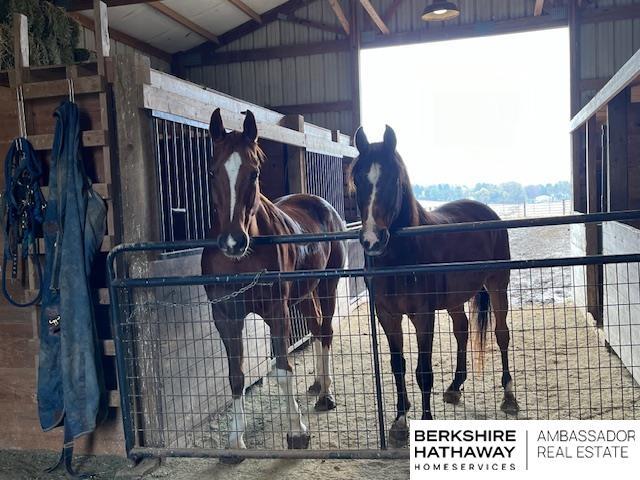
(440, 11)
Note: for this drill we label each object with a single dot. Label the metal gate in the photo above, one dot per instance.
(175, 392)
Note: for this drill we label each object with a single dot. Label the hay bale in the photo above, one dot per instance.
(53, 36)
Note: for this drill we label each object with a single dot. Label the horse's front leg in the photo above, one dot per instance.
(392, 325)
(297, 432)
(230, 327)
(424, 324)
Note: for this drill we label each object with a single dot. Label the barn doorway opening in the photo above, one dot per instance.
(483, 118)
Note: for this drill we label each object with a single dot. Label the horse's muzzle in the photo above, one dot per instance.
(374, 243)
(234, 245)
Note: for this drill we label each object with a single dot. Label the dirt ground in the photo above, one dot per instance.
(560, 367)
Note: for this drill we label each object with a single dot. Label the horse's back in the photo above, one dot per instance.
(489, 244)
(311, 213)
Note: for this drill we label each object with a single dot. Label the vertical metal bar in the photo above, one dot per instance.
(207, 156)
(169, 180)
(158, 152)
(194, 192)
(123, 384)
(187, 209)
(175, 160)
(376, 357)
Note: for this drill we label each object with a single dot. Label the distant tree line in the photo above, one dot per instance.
(509, 192)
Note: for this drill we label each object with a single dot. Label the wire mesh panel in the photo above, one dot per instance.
(177, 335)
(325, 178)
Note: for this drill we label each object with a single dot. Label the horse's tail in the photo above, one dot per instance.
(480, 312)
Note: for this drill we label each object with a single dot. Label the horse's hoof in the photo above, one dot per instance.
(510, 404)
(315, 388)
(399, 433)
(452, 396)
(231, 459)
(299, 441)
(325, 403)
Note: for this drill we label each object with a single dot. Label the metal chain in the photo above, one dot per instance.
(255, 282)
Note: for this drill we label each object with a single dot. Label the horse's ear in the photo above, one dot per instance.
(216, 127)
(389, 139)
(249, 128)
(362, 143)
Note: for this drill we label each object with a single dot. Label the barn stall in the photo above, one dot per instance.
(178, 402)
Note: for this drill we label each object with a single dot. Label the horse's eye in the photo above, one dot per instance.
(254, 175)
(210, 172)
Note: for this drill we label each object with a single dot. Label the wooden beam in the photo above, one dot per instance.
(102, 42)
(184, 21)
(373, 14)
(390, 12)
(20, 46)
(77, 5)
(270, 53)
(452, 32)
(246, 9)
(537, 9)
(342, 18)
(124, 38)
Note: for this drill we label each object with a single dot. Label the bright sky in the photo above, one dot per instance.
(491, 109)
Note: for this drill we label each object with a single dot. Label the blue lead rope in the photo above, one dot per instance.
(24, 206)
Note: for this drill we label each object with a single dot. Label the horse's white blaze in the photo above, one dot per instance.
(236, 435)
(285, 381)
(232, 167)
(369, 224)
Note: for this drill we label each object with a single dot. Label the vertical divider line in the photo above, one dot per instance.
(376, 358)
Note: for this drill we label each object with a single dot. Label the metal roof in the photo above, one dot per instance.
(147, 24)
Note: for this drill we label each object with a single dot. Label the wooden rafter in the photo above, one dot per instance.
(390, 12)
(184, 21)
(122, 37)
(375, 18)
(537, 10)
(342, 18)
(240, 5)
(77, 5)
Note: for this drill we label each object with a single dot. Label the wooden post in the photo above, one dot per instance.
(593, 232)
(139, 220)
(20, 46)
(578, 171)
(101, 32)
(296, 166)
(617, 152)
(354, 39)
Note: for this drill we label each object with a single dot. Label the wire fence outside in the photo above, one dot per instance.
(176, 385)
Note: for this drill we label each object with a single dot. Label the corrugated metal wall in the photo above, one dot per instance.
(606, 46)
(87, 40)
(288, 81)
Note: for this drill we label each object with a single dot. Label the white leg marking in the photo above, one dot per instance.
(317, 353)
(369, 225)
(325, 382)
(236, 435)
(285, 380)
(232, 166)
(509, 387)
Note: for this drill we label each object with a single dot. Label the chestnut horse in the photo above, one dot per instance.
(387, 203)
(242, 212)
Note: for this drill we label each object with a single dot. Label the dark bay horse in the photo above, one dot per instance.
(242, 212)
(387, 203)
